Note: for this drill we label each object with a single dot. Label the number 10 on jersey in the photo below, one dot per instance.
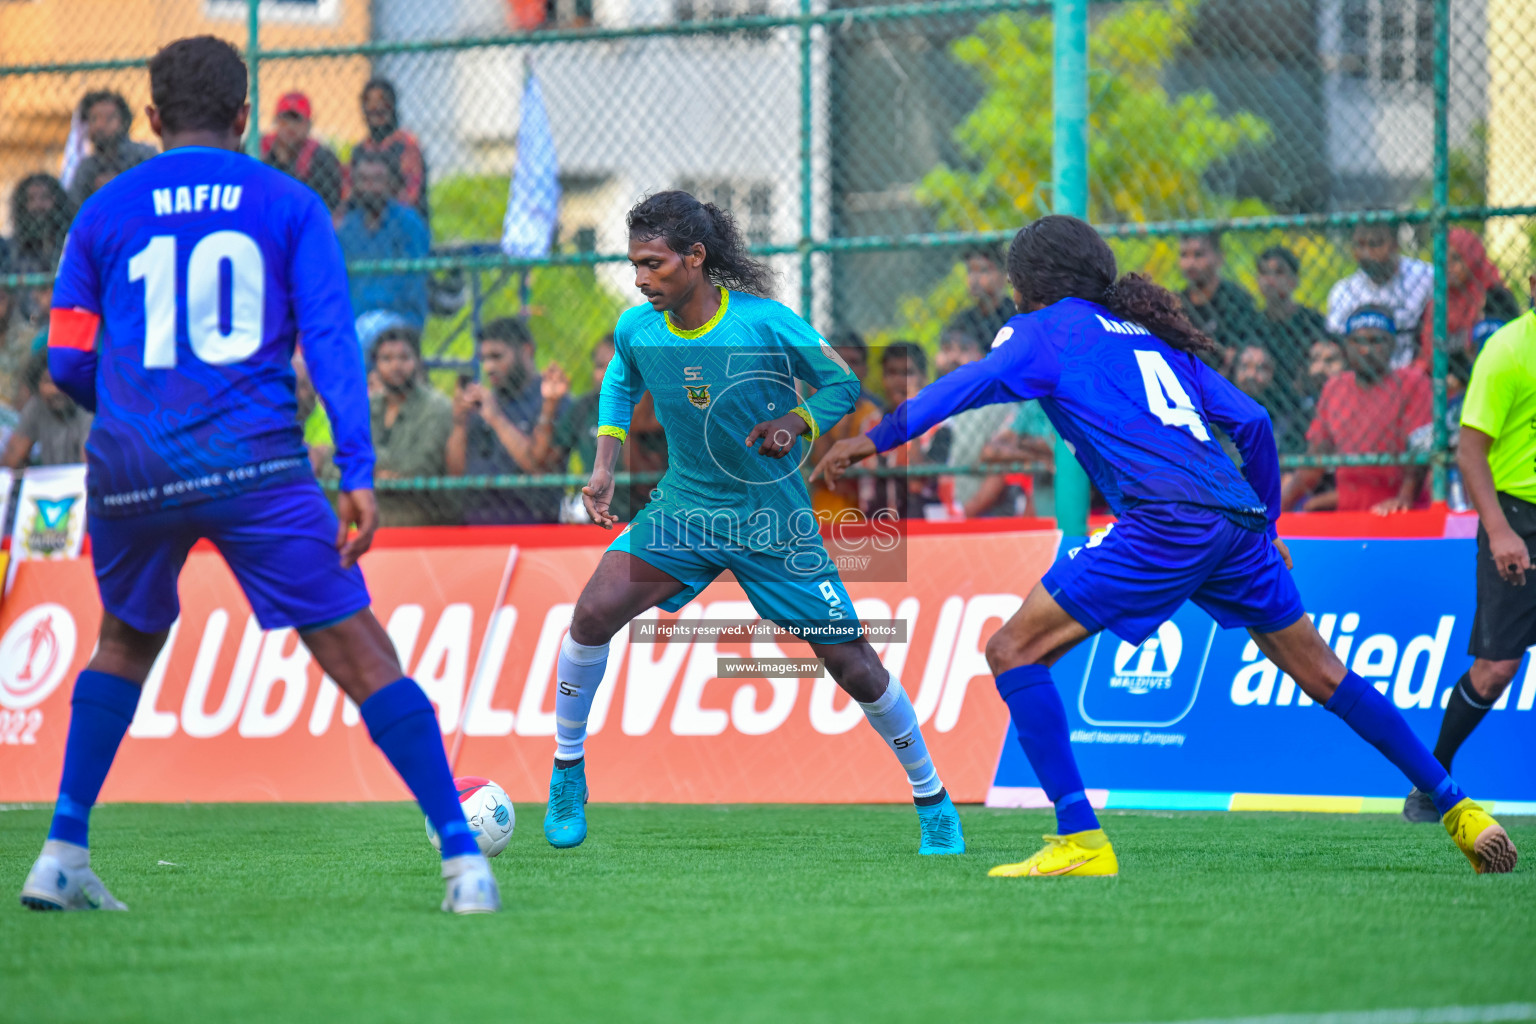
(211, 342)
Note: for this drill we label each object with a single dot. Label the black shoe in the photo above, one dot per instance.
(1419, 807)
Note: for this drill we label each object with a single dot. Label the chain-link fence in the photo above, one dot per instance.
(1284, 164)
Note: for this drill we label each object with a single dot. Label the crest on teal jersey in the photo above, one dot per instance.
(699, 395)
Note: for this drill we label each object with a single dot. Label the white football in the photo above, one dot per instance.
(489, 812)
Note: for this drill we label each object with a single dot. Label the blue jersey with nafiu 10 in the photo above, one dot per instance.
(206, 267)
(1137, 412)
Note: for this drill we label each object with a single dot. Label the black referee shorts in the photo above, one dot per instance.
(1505, 623)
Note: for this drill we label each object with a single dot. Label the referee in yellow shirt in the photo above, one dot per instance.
(1497, 456)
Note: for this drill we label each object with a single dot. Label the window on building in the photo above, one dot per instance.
(1388, 41)
(749, 203)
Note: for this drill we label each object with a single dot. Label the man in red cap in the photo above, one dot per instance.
(290, 149)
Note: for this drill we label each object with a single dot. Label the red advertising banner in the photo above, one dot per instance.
(232, 713)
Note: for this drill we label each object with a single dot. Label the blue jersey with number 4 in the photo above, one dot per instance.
(205, 267)
(1137, 412)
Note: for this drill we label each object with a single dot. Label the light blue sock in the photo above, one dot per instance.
(578, 675)
(1370, 714)
(100, 711)
(894, 718)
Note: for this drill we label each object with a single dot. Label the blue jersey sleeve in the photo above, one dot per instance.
(1246, 422)
(1022, 367)
(72, 362)
(323, 312)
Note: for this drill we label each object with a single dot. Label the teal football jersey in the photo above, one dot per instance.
(712, 386)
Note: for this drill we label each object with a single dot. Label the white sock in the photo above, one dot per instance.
(577, 678)
(894, 719)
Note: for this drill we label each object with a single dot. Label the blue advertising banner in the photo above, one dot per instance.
(1196, 718)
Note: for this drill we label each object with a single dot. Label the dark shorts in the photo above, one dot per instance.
(1505, 622)
(280, 542)
(1132, 577)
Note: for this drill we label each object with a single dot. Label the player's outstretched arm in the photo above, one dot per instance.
(1246, 422)
(840, 456)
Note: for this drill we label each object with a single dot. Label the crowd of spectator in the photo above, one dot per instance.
(1351, 379)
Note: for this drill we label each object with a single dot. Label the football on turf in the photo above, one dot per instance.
(489, 812)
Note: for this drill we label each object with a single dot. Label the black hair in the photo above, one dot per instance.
(1281, 253)
(507, 330)
(111, 96)
(198, 84)
(684, 222)
(911, 351)
(372, 156)
(387, 87)
(961, 337)
(1499, 303)
(607, 340)
(1059, 257)
(992, 253)
(849, 339)
(399, 332)
(1210, 238)
(39, 237)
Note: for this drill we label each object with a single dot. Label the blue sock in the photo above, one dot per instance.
(100, 712)
(1381, 725)
(403, 725)
(1040, 720)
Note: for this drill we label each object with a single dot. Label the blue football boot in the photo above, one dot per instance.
(565, 819)
(940, 826)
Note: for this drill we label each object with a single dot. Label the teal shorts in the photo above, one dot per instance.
(797, 588)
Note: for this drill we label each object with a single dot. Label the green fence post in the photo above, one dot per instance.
(1069, 171)
(253, 66)
(807, 222)
(1442, 57)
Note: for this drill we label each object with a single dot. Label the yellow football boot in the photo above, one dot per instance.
(1485, 843)
(1080, 853)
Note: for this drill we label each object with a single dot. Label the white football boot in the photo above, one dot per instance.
(471, 886)
(61, 879)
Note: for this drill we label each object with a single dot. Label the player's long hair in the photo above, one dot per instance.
(685, 222)
(1060, 257)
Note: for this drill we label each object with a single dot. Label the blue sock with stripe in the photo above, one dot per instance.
(403, 725)
(1370, 714)
(1040, 721)
(100, 711)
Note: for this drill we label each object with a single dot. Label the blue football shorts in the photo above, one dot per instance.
(280, 542)
(1132, 577)
(801, 592)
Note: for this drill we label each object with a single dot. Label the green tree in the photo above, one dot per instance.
(1148, 151)
(569, 309)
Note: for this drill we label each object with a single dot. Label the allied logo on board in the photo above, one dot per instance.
(35, 655)
(1152, 684)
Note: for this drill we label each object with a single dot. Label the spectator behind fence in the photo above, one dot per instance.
(16, 335)
(290, 149)
(379, 228)
(397, 147)
(107, 120)
(1286, 328)
(1370, 408)
(867, 410)
(40, 214)
(496, 426)
(1469, 279)
(903, 373)
(1028, 438)
(411, 423)
(1221, 309)
(1256, 374)
(52, 429)
(1386, 278)
(969, 433)
(986, 281)
(572, 447)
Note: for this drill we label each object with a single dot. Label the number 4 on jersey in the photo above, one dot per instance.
(1166, 397)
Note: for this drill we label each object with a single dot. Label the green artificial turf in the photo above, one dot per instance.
(761, 913)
